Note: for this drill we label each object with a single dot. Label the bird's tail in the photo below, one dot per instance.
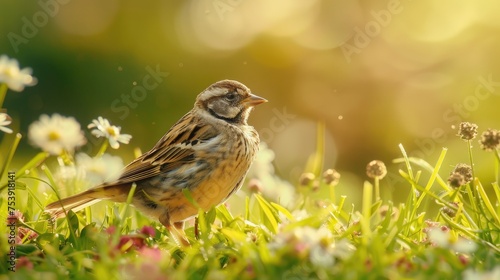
(78, 202)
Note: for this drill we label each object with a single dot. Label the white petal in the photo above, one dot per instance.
(113, 143)
(6, 129)
(465, 246)
(438, 237)
(124, 138)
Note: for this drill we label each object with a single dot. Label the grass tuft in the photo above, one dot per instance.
(437, 232)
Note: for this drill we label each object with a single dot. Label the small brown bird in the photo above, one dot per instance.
(208, 152)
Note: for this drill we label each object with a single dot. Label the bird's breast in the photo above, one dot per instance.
(217, 172)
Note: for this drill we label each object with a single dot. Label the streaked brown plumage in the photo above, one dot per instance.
(208, 152)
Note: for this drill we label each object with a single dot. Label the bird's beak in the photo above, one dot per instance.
(254, 100)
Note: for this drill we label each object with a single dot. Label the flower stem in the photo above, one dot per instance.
(377, 188)
(497, 164)
(103, 149)
(341, 204)
(3, 93)
(478, 207)
(366, 210)
(332, 193)
(469, 149)
(3, 169)
(67, 158)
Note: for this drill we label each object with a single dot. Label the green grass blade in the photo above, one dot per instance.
(366, 208)
(496, 188)
(487, 203)
(283, 210)
(431, 180)
(315, 161)
(269, 218)
(407, 162)
(10, 155)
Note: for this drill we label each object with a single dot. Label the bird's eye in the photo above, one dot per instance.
(231, 96)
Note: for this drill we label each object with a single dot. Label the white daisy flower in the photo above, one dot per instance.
(5, 120)
(101, 169)
(56, 134)
(317, 243)
(102, 128)
(439, 237)
(70, 180)
(471, 274)
(443, 239)
(14, 77)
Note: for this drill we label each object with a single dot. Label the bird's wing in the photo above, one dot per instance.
(172, 150)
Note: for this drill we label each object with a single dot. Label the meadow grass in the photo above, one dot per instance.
(310, 239)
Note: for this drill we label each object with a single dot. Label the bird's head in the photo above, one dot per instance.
(228, 100)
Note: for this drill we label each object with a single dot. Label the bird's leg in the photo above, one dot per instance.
(176, 229)
(181, 234)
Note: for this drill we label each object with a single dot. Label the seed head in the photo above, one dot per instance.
(306, 178)
(315, 186)
(450, 211)
(490, 140)
(255, 186)
(331, 177)
(384, 209)
(456, 180)
(464, 170)
(467, 131)
(376, 169)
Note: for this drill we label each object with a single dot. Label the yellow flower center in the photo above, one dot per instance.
(9, 73)
(54, 136)
(112, 131)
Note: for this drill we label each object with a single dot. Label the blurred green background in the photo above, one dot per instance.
(378, 73)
